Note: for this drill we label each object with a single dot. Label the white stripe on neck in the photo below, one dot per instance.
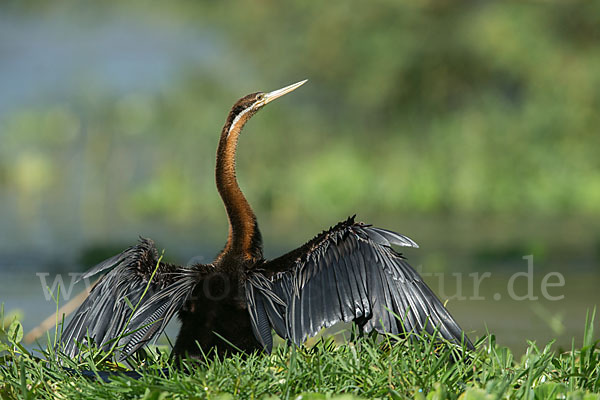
(237, 119)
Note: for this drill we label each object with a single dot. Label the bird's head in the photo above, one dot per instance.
(248, 105)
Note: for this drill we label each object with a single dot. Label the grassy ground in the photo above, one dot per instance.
(366, 368)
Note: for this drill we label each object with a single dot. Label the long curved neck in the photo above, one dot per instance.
(244, 238)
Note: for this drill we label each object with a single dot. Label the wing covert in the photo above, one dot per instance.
(349, 273)
(107, 311)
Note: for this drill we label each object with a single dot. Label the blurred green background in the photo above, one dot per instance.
(470, 126)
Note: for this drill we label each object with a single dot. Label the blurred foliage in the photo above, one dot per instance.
(459, 108)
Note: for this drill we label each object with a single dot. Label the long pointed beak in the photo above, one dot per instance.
(275, 94)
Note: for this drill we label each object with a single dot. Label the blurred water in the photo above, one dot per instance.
(46, 56)
(55, 56)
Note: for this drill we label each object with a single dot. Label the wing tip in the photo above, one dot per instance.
(394, 237)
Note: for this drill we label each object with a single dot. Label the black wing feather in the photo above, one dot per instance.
(347, 273)
(107, 314)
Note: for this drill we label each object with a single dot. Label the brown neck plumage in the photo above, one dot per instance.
(244, 237)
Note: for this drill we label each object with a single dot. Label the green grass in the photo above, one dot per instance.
(368, 368)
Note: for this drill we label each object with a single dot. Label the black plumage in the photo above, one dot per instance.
(350, 272)
(108, 310)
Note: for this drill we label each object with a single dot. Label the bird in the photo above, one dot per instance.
(350, 272)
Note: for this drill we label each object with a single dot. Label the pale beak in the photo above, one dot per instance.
(275, 94)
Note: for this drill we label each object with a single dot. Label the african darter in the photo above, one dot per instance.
(347, 273)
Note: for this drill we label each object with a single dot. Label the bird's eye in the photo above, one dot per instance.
(260, 96)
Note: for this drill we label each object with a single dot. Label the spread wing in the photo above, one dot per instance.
(349, 273)
(132, 303)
